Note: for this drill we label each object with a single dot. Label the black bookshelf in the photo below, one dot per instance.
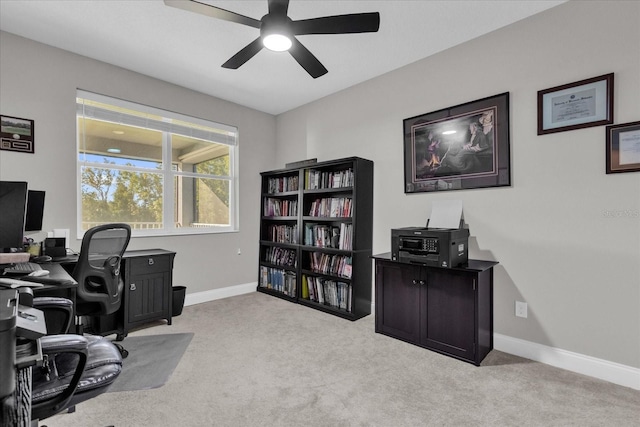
(316, 231)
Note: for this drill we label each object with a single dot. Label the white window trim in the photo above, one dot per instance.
(231, 140)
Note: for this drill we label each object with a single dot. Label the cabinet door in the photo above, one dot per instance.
(148, 296)
(397, 301)
(448, 320)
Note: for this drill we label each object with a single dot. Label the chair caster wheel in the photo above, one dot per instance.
(123, 351)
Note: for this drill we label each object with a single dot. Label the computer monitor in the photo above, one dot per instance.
(13, 203)
(35, 210)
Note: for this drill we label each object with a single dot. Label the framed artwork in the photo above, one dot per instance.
(576, 105)
(623, 148)
(457, 148)
(16, 134)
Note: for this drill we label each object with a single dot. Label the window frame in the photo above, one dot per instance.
(168, 172)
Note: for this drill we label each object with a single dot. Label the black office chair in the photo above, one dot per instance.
(100, 286)
(75, 368)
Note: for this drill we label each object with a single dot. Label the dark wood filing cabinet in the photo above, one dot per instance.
(147, 287)
(448, 310)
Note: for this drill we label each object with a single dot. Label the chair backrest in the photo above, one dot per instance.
(98, 269)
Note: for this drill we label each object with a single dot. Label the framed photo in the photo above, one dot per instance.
(576, 105)
(16, 134)
(457, 148)
(623, 148)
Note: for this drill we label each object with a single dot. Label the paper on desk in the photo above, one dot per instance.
(445, 214)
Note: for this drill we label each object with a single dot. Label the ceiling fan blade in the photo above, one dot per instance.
(278, 7)
(214, 12)
(245, 54)
(339, 24)
(306, 59)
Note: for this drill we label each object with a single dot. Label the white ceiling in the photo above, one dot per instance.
(187, 49)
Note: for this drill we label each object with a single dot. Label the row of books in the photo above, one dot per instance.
(281, 256)
(282, 184)
(335, 265)
(278, 207)
(315, 179)
(328, 236)
(278, 280)
(328, 292)
(283, 233)
(334, 207)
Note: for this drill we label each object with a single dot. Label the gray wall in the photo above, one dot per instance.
(576, 267)
(39, 82)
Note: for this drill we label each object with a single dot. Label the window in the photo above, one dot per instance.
(159, 171)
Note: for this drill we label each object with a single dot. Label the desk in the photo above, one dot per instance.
(58, 283)
(148, 294)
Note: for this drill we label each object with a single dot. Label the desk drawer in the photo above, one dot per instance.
(149, 264)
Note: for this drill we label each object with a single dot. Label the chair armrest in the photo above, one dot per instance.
(56, 344)
(64, 343)
(58, 313)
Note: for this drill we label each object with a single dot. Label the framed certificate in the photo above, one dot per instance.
(576, 105)
(623, 148)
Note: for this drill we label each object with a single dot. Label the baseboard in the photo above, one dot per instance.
(215, 294)
(598, 368)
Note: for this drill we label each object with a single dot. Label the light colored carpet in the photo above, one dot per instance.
(256, 360)
(151, 361)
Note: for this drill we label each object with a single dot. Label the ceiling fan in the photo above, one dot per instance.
(278, 31)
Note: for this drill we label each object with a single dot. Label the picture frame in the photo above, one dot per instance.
(577, 105)
(623, 148)
(16, 134)
(458, 148)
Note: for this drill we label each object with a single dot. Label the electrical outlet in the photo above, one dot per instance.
(521, 309)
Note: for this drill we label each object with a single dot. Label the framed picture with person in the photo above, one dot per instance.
(461, 147)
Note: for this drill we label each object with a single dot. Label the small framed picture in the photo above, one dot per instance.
(578, 105)
(623, 148)
(16, 134)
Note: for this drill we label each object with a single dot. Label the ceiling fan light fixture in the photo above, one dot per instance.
(276, 42)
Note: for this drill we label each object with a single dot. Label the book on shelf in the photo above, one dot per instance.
(328, 292)
(277, 207)
(283, 233)
(334, 207)
(281, 256)
(328, 236)
(316, 179)
(278, 280)
(282, 184)
(335, 265)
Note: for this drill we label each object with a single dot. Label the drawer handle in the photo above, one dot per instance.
(151, 261)
(132, 287)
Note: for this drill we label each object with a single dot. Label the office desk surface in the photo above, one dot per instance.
(58, 277)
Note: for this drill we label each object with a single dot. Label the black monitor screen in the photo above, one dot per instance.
(13, 202)
(35, 210)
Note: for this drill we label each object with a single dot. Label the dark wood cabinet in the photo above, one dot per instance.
(316, 235)
(148, 286)
(448, 310)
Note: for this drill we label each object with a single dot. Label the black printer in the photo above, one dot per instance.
(433, 247)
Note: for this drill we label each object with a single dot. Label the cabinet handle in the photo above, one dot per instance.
(415, 282)
(132, 287)
(151, 261)
(422, 282)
